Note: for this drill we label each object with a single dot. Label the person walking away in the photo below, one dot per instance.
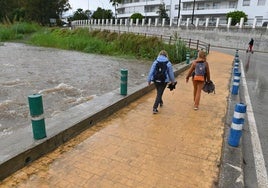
(161, 73)
(200, 73)
(250, 45)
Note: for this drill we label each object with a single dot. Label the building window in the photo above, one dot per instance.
(186, 6)
(200, 6)
(261, 2)
(216, 5)
(259, 20)
(232, 4)
(246, 2)
(176, 7)
(167, 7)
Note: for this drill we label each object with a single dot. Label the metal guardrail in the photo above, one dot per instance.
(190, 43)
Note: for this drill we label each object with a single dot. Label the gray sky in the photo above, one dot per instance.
(90, 4)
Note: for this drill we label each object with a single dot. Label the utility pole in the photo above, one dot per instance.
(179, 10)
(145, 11)
(193, 13)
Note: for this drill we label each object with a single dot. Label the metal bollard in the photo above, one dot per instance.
(187, 58)
(195, 54)
(236, 60)
(124, 75)
(236, 53)
(236, 69)
(236, 64)
(236, 81)
(37, 116)
(237, 124)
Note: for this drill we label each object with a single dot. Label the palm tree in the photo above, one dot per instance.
(115, 4)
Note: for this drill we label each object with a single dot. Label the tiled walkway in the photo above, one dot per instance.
(178, 147)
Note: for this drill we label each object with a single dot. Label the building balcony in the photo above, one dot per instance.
(148, 14)
(141, 3)
(207, 11)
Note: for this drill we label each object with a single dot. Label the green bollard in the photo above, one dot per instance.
(195, 54)
(37, 114)
(187, 58)
(124, 75)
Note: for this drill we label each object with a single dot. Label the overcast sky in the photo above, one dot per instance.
(90, 4)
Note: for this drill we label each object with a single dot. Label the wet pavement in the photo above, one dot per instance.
(178, 147)
(64, 78)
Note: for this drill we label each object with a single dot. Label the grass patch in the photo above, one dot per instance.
(98, 42)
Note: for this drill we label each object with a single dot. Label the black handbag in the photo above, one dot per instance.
(209, 87)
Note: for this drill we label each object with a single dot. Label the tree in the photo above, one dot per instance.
(9, 8)
(102, 14)
(136, 16)
(39, 11)
(236, 16)
(80, 15)
(115, 4)
(162, 12)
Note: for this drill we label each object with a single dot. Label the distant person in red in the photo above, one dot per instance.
(250, 45)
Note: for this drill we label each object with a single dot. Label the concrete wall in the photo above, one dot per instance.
(218, 37)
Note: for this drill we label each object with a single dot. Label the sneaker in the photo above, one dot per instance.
(155, 111)
(195, 108)
(161, 104)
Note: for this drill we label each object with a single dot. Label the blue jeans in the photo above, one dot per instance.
(160, 88)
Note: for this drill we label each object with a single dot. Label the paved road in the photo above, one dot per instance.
(255, 67)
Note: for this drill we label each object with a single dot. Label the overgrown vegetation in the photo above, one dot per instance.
(96, 41)
(109, 43)
(17, 31)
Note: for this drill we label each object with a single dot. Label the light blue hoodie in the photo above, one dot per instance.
(169, 73)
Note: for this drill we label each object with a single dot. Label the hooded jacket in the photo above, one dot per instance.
(169, 73)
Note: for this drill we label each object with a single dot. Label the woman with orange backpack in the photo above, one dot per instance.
(199, 71)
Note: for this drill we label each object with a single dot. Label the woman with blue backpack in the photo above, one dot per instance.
(199, 71)
(161, 73)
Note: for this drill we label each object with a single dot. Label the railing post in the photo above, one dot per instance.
(241, 22)
(229, 22)
(189, 43)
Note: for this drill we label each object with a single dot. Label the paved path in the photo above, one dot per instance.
(178, 147)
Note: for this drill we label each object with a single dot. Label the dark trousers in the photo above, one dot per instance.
(160, 88)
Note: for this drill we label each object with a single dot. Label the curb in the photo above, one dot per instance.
(23, 149)
(231, 170)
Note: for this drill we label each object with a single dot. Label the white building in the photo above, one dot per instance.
(202, 9)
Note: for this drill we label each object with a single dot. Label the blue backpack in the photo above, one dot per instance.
(200, 68)
(160, 72)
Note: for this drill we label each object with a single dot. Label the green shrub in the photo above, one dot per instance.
(236, 16)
